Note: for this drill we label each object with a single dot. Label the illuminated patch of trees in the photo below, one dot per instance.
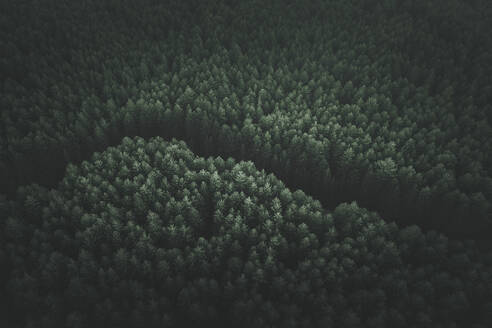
(149, 234)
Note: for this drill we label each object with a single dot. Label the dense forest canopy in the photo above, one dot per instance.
(289, 163)
(149, 234)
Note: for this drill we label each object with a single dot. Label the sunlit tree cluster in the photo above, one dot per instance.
(148, 234)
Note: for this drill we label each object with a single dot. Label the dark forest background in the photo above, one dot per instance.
(246, 163)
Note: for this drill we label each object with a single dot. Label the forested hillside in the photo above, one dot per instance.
(246, 163)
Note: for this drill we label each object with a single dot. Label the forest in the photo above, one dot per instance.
(246, 163)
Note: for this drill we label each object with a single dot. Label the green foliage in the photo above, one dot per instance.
(384, 103)
(228, 244)
(310, 114)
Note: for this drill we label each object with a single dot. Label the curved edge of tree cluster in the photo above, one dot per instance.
(149, 234)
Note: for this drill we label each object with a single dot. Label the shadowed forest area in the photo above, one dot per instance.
(249, 163)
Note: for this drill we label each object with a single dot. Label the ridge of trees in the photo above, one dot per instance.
(149, 234)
